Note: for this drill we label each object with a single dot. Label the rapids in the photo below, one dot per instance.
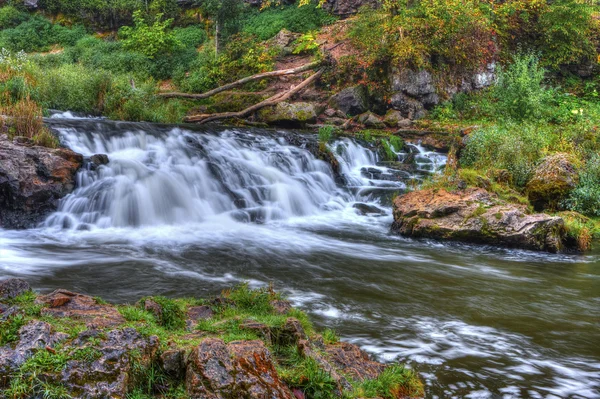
(186, 211)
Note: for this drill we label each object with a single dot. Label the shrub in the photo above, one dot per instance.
(147, 39)
(586, 196)
(516, 148)
(11, 17)
(519, 89)
(326, 133)
(270, 21)
(25, 119)
(38, 34)
(191, 36)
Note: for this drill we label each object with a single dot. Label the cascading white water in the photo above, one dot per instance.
(182, 177)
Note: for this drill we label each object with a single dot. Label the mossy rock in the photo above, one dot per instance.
(552, 182)
(289, 114)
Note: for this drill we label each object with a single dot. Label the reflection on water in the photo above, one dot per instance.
(476, 322)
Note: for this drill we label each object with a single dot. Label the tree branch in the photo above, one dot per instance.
(292, 71)
(277, 98)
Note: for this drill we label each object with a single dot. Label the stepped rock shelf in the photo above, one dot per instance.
(242, 344)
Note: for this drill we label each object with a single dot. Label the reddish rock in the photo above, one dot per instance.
(197, 313)
(475, 215)
(353, 361)
(63, 303)
(281, 306)
(241, 369)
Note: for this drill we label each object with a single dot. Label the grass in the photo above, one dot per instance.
(37, 377)
(581, 230)
(394, 382)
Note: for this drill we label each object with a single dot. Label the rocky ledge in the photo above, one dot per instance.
(242, 344)
(32, 181)
(477, 216)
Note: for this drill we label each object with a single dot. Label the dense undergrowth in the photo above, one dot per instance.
(232, 309)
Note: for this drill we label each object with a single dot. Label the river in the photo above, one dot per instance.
(179, 212)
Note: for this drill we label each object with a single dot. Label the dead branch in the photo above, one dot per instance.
(277, 98)
(283, 72)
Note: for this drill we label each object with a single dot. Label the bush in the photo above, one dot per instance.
(269, 22)
(516, 148)
(150, 40)
(585, 198)
(519, 89)
(191, 36)
(38, 34)
(11, 17)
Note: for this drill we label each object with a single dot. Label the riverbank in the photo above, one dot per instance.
(243, 343)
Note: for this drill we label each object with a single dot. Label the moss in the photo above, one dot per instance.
(580, 230)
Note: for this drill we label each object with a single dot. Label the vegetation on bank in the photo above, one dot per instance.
(232, 316)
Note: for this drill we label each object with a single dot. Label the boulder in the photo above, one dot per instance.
(371, 120)
(351, 101)
(112, 373)
(353, 361)
(409, 107)
(242, 369)
(346, 8)
(63, 303)
(13, 287)
(289, 114)
(394, 118)
(477, 216)
(32, 181)
(552, 182)
(413, 83)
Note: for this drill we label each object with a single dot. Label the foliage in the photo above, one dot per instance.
(326, 133)
(11, 17)
(270, 21)
(190, 36)
(38, 34)
(172, 314)
(516, 148)
(519, 89)
(426, 34)
(242, 56)
(586, 196)
(147, 39)
(307, 43)
(561, 31)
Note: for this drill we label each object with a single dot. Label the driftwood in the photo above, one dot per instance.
(282, 72)
(274, 100)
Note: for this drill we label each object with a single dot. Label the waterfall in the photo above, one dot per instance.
(160, 175)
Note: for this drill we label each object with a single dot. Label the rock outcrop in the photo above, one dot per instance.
(477, 216)
(351, 100)
(32, 181)
(552, 182)
(85, 348)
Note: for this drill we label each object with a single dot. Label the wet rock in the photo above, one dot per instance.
(63, 303)
(289, 114)
(111, 375)
(281, 306)
(13, 287)
(173, 363)
(291, 333)
(351, 101)
(242, 369)
(197, 313)
(32, 181)
(98, 160)
(552, 182)
(260, 329)
(477, 216)
(368, 210)
(394, 118)
(353, 362)
(371, 120)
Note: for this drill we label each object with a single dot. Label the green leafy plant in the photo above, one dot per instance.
(147, 39)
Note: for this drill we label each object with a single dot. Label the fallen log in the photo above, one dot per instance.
(282, 72)
(204, 118)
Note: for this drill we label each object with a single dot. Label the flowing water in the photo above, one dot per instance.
(180, 212)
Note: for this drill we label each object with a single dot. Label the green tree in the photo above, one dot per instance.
(225, 16)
